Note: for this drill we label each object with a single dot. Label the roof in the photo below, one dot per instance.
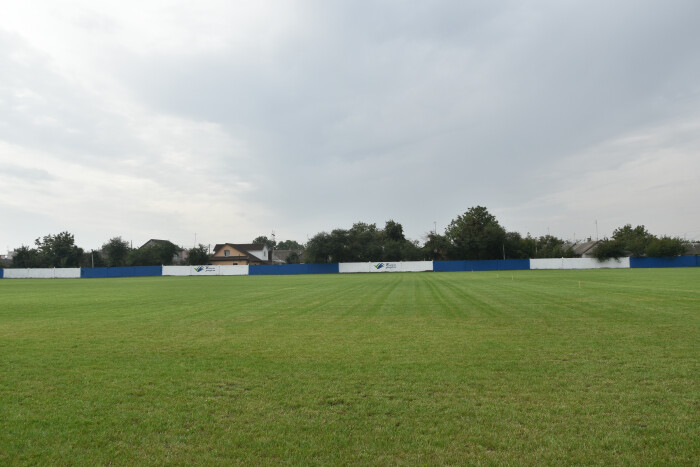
(155, 241)
(584, 247)
(240, 246)
(243, 248)
(692, 249)
(280, 256)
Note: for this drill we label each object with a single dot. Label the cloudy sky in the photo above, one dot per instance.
(162, 119)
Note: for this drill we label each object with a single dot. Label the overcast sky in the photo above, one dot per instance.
(162, 119)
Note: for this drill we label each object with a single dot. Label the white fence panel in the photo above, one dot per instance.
(386, 266)
(42, 273)
(547, 263)
(191, 270)
(67, 273)
(417, 266)
(176, 270)
(353, 267)
(235, 270)
(579, 263)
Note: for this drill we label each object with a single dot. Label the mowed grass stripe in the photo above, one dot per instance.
(492, 367)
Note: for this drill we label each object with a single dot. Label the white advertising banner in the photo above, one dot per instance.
(417, 266)
(353, 267)
(579, 263)
(191, 270)
(386, 266)
(205, 270)
(236, 270)
(67, 273)
(42, 273)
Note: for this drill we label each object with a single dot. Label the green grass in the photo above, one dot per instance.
(551, 367)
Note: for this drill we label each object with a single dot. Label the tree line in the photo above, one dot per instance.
(474, 235)
(60, 251)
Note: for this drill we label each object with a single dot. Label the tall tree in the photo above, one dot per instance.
(265, 241)
(93, 258)
(666, 247)
(362, 242)
(293, 258)
(633, 239)
(608, 249)
(317, 248)
(394, 231)
(25, 257)
(59, 251)
(116, 251)
(155, 255)
(198, 255)
(476, 234)
(436, 247)
(549, 246)
(289, 245)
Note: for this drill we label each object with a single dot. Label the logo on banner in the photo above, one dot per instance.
(205, 269)
(387, 266)
(378, 265)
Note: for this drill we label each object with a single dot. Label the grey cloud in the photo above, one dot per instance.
(42, 110)
(27, 175)
(378, 110)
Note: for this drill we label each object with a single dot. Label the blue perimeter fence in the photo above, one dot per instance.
(482, 265)
(333, 268)
(127, 271)
(674, 262)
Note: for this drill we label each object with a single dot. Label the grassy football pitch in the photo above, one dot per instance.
(552, 367)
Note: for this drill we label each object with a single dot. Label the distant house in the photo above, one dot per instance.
(692, 249)
(280, 256)
(585, 249)
(180, 255)
(240, 253)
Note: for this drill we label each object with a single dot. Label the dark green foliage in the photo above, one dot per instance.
(549, 246)
(155, 255)
(93, 258)
(318, 248)
(58, 251)
(26, 257)
(289, 245)
(608, 249)
(293, 258)
(362, 242)
(436, 247)
(198, 255)
(116, 251)
(393, 231)
(633, 239)
(265, 241)
(665, 247)
(515, 247)
(476, 235)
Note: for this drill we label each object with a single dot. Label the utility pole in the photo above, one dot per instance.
(596, 230)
